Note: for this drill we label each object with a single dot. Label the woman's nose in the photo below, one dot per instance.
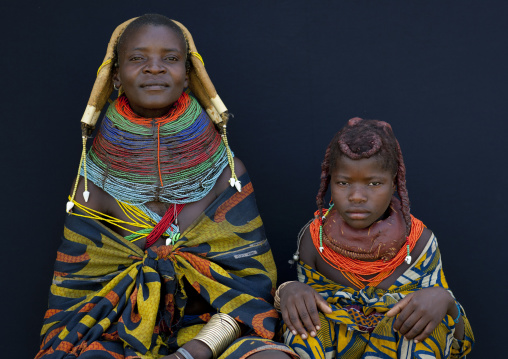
(154, 66)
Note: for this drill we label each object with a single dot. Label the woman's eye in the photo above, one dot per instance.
(374, 183)
(136, 58)
(342, 183)
(172, 58)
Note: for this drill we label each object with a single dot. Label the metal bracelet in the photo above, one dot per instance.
(219, 333)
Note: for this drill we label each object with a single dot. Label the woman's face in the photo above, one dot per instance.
(151, 70)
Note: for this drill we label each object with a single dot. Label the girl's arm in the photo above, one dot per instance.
(300, 304)
(419, 313)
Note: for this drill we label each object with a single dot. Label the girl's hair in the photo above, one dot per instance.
(155, 20)
(365, 139)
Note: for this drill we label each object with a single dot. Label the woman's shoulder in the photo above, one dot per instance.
(98, 199)
(223, 181)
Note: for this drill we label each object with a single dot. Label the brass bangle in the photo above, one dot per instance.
(276, 298)
(219, 333)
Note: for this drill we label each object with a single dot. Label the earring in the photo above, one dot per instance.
(116, 88)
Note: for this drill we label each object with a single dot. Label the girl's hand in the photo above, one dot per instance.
(299, 307)
(419, 313)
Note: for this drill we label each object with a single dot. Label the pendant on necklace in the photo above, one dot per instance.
(175, 235)
(408, 259)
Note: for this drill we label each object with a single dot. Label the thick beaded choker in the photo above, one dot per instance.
(173, 159)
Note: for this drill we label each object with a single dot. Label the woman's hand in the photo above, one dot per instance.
(299, 305)
(419, 313)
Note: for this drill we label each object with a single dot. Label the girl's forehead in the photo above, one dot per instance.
(371, 165)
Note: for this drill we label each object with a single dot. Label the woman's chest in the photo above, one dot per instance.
(181, 219)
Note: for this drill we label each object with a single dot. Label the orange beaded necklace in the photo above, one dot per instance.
(355, 270)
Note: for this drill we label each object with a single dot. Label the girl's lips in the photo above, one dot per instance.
(357, 215)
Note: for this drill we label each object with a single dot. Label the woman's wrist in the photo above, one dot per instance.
(197, 349)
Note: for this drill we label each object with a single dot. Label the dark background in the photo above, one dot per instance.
(292, 72)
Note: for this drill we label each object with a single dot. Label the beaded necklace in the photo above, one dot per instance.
(356, 270)
(174, 159)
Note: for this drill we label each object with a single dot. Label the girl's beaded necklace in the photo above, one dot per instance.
(356, 270)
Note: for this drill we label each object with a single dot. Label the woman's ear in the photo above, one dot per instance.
(116, 79)
(394, 185)
(186, 83)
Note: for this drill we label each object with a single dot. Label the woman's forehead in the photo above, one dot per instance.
(148, 35)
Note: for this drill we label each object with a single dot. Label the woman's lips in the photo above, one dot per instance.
(154, 86)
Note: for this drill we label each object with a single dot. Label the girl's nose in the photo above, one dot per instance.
(357, 195)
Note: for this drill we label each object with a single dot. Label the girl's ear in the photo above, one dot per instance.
(394, 186)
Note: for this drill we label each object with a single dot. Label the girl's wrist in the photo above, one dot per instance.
(454, 309)
(276, 299)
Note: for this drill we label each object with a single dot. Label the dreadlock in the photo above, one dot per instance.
(365, 139)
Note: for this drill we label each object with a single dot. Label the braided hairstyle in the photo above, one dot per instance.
(365, 139)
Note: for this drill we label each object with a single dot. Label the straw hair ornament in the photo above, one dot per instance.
(199, 84)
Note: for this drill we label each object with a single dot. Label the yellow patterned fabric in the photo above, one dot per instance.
(357, 327)
(110, 299)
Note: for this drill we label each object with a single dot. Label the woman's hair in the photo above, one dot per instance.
(154, 20)
(365, 139)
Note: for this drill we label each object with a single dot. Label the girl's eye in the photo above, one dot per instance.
(374, 183)
(342, 183)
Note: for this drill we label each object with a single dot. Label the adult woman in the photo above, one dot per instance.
(162, 235)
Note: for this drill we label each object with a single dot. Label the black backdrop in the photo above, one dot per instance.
(292, 72)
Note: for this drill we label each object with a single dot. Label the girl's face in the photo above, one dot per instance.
(151, 70)
(361, 190)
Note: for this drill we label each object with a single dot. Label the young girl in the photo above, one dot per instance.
(163, 253)
(371, 283)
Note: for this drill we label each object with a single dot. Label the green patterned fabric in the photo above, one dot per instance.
(110, 299)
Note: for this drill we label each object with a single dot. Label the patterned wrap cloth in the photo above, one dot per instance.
(110, 299)
(358, 328)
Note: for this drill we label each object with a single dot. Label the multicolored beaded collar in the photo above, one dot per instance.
(174, 159)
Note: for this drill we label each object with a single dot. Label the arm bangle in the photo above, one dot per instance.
(276, 298)
(456, 320)
(219, 333)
